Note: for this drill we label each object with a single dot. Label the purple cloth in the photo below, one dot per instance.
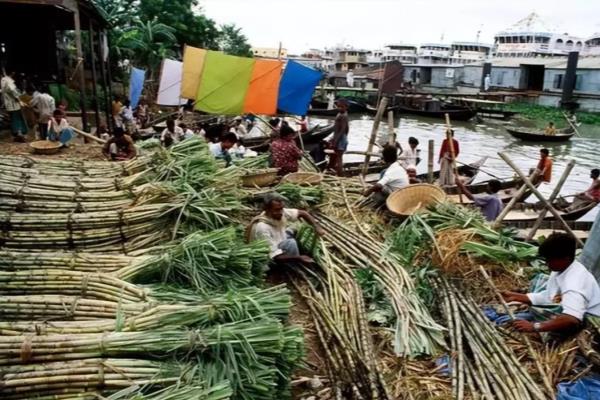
(490, 205)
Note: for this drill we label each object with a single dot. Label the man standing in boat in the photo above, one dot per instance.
(544, 167)
(446, 161)
(490, 204)
(339, 143)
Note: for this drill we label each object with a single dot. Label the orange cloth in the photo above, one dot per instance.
(264, 87)
(545, 165)
(193, 64)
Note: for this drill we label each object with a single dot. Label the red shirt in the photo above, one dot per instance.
(446, 148)
(285, 155)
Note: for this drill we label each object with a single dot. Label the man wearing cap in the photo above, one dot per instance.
(339, 143)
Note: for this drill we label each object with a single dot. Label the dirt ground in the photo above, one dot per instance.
(77, 149)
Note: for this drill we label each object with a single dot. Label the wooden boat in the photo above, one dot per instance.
(456, 113)
(510, 187)
(530, 212)
(581, 229)
(313, 135)
(534, 135)
(485, 108)
(354, 107)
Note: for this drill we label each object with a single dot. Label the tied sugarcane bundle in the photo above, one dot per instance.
(12, 205)
(73, 261)
(417, 332)
(193, 311)
(262, 340)
(206, 261)
(71, 168)
(483, 363)
(337, 307)
(64, 308)
(194, 390)
(55, 281)
(109, 375)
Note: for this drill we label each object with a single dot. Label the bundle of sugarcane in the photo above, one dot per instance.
(196, 391)
(106, 374)
(22, 191)
(68, 168)
(336, 304)
(60, 307)
(205, 260)
(416, 331)
(296, 196)
(483, 363)
(55, 281)
(12, 205)
(261, 339)
(74, 261)
(197, 311)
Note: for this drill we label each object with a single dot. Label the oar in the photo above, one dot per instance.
(570, 123)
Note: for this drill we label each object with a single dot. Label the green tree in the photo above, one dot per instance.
(233, 41)
(148, 43)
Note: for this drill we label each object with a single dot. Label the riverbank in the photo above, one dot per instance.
(541, 115)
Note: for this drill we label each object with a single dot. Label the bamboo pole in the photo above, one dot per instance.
(380, 110)
(430, 157)
(512, 202)
(539, 196)
(391, 132)
(88, 135)
(530, 349)
(572, 125)
(552, 197)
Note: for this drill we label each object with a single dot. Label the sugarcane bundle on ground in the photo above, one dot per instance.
(336, 304)
(296, 196)
(416, 331)
(482, 363)
(64, 308)
(190, 310)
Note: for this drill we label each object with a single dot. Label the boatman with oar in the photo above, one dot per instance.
(571, 290)
(274, 226)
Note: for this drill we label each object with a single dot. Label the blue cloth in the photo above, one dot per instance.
(63, 137)
(586, 388)
(136, 85)
(296, 88)
(342, 144)
(17, 123)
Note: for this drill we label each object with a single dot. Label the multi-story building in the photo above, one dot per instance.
(349, 59)
(434, 53)
(469, 52)
(269, 52)
(592, 45)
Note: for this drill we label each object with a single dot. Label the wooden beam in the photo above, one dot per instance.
(94, 76)
(512, 202)
(106, 92)
(539, 196)
(80, 69)
(380, 110)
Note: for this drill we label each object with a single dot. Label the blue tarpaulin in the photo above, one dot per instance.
(136, 85)
(296, 88)
(586, 388)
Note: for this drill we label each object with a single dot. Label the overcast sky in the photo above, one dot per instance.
(304, 24)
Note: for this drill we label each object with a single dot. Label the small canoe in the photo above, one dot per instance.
(354, 107)
(314, 135)
(529, 212)
(454, 112)
(534, 135)
(581, 229)
(510, 187)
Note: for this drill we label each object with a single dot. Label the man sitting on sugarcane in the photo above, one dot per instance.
(273, 226)
(394, 177)
(570, 286)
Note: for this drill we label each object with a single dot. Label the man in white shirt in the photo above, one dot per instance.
(272, 225)
(570, 284)
(220, 150)
(392, 179)
(239, 128)
(410, 154)
(171, 134)
(44, 105)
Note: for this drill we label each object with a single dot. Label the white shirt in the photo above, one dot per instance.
(57, 127)
(577, 288)
(177, 136)
(216, 149)
(409, 156)
(44, 105)
(188, 133)
(394, 178)
(273, 231)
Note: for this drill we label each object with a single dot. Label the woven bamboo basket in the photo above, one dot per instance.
(303, 178)
(414, 199)
(45, 147)
(261, 178)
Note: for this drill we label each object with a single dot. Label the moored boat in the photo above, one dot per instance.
(455, 113)
(530, 212)
(509, 189)
(581, 229)
(313, 135)
(485, 108)
(534, 135)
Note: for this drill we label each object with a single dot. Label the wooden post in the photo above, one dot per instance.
(380, 110)
(94, 76)
(552, 197)
(106, 92)
(539, 196)
(391, 132)
(512, 202)
(80, 69)
(430, 158)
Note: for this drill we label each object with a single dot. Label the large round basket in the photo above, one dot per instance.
(303, 178)
(45, 147)
(260, 178)
(414, 199)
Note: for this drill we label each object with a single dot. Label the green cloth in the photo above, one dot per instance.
(224, 83)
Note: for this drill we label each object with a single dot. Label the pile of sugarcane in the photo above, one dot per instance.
(482, 364)
(338, 310)
(417, 332)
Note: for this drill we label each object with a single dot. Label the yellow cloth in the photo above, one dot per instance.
(193, 64)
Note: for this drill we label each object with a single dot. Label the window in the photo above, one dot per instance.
(578, 82)
(559, 42)
(558, 81)
(569, 43)
(500, 78)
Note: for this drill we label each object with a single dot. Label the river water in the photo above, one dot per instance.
(487, 139)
